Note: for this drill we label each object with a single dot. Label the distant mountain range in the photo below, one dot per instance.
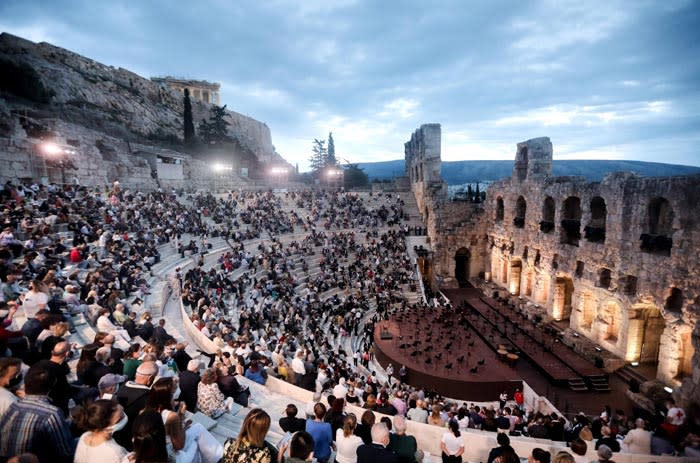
(459, 172)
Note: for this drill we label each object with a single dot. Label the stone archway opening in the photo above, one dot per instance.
(563, 295)
(609, 318)
(645, 327)
(462, 267)
(516, 267)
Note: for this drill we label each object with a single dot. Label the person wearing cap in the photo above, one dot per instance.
(109, 386)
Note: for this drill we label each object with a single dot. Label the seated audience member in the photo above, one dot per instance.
(210, 400)
(604, 455)
(346, 441)
(638, 440)
(256, 372)
(290, 422)
(10, 377)
(109, 385)
(132, 396)
(149, 440)
(539, 456)
(301, 448)
(503, 444)
(322, 434)
(34, 425)
(99, 420)
(250, 445)
(376, 451)
(607, 439)
(578, 450)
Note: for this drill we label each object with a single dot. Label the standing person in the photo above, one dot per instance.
(402, 444)
(502, 399)
(519, 399)
(376, 452)
(250, 446)
(346, 441)
(34, 425)
(321, 432)
(451, 444)
(99, 420)
(389, 373)
(403, 374)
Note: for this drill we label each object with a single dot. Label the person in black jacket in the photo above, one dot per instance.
(189, 380)
(181, 357)
(130, 325)
(132, 396)
(376, 452)
(291, 423)
(503, 443)
(145, 329)
(160, 336)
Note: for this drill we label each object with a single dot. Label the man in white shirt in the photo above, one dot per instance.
(9, 374)
(298, 366)
(638, 440)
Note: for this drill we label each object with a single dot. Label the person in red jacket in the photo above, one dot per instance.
(75, 255)
(519, 399)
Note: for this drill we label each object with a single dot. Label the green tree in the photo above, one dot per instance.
(319, 154)
(187, 116)
(215, 130)
(330, 158)
(355, 176)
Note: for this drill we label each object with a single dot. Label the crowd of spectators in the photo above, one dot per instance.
(296, 295)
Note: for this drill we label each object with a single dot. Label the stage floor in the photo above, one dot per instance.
(442, 352)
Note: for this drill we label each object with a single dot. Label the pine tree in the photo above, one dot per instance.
(330, 158)
(189, 125)
(218, 124)
(319, 157)
(477, 194)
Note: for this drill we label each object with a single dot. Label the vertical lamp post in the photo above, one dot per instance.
(55, 155)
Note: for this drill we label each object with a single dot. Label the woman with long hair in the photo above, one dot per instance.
(99, 420)
(346, 441)
(186, 442)
(435, 418)
(364, 429)
(149, 439)
(451, 444)
(250, 446)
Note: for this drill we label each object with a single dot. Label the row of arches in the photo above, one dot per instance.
(634, 332)
(658, 225)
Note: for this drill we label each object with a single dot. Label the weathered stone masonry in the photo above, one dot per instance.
(618, 258)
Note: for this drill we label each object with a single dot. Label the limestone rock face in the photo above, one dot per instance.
(115, 101)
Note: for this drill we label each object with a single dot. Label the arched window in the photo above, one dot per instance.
(674, 302)
(548, 208)
(604, 278)
(595, 231)
(571, 221)
(520, 210)
(499, 209)
(658, 236)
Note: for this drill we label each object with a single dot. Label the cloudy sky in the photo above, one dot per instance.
(604, 80)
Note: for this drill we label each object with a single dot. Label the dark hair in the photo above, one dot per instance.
(7, 362)
(337, 405)
(95, 415)
(302, 445)
(454, 427)
(161, 395)
(87, 355)
(291, 410)
(149, 438)
(579, 446)
(319, 410)
(540, 455)
(508, 455)
(38, 380)
(503, 439)
(387, 422)
(368, 418)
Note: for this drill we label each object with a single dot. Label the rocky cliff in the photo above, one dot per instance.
(91, 104)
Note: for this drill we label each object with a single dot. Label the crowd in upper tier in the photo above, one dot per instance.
(296, 295)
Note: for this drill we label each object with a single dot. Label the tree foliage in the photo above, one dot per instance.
(187, 116)
(215, 129)
(355, 176)
(319, 154)
(330, 157)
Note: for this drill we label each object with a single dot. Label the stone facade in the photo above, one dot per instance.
(201, 90)
(616, 259)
